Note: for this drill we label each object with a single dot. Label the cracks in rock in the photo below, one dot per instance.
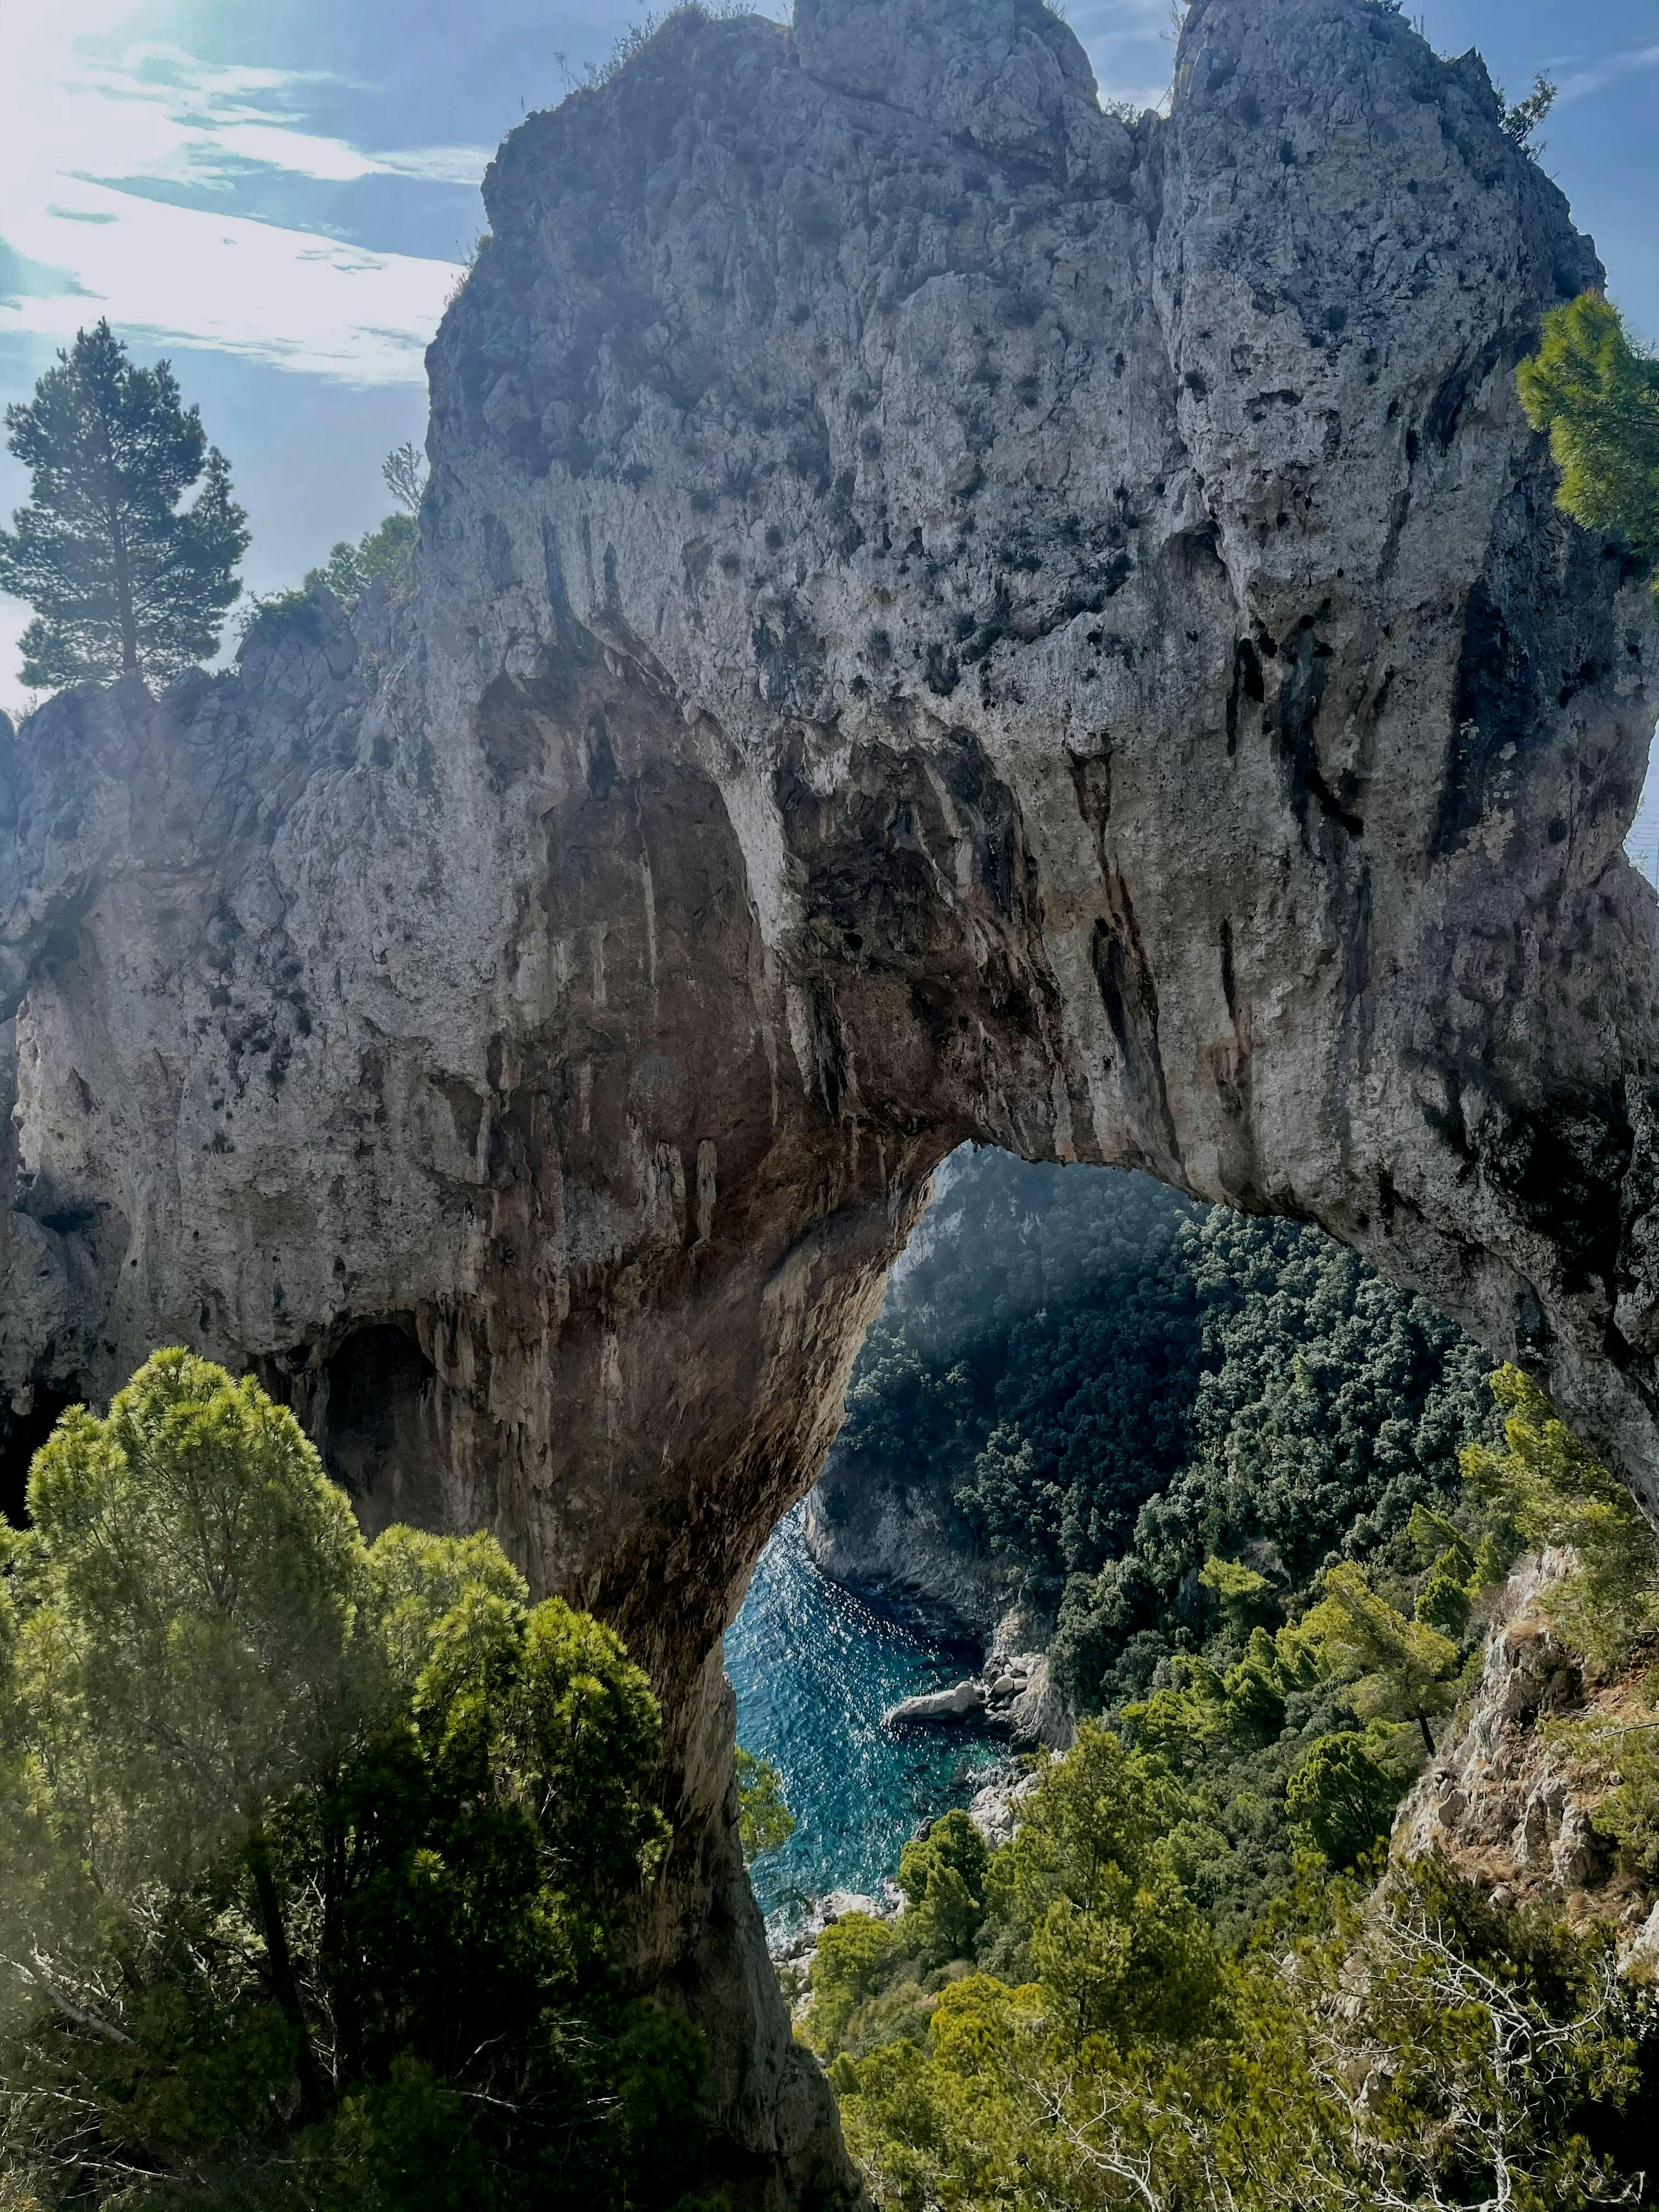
(1295, 725)
(1128, 992)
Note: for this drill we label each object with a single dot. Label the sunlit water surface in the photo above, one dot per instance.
(814, 1667)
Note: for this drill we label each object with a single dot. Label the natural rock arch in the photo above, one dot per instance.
(939, 615)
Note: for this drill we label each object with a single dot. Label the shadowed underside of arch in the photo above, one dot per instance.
(939, 615)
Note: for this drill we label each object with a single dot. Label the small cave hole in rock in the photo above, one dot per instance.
(23, 1428)
(373, 1419)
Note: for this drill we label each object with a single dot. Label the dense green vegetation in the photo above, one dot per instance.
(764, 1821)
(1121, 1385)
(123, 579)
(316, 1859)
(381, 554)
(1598, 399)
(1134, 2003)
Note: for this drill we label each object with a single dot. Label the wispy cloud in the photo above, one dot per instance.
(225, 281)
(193, 122)
(1577, 84)
(120, 164)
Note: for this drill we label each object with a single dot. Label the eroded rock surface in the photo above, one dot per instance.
(939, 615)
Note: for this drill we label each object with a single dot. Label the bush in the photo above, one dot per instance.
(942, 1876)
(1344, 1796)
(765, 1823)
(1548, 1489)
(1598, 399)
(316, 1859)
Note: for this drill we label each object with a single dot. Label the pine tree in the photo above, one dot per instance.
(123, 580)
(1598, 398)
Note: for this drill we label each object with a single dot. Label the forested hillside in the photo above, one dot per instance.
(1184, 1972)
(1095, 1384)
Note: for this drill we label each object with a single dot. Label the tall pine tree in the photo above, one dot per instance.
(123, 579)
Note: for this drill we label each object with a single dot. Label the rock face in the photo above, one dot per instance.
(939, 615)
(1497, 1799)
(1510, 1800)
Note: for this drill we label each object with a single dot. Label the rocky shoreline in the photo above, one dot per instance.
(992, 1811)
(1014, 1692)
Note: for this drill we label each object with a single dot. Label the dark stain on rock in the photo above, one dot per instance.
(1296, 722)
(1129, 993)
(598, 762)
(830, 1052)
(510, 731)
(1247, 684)
(498, 553)
(1091, 781)
(1229, 982)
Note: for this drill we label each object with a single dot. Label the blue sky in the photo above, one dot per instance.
(279, 197)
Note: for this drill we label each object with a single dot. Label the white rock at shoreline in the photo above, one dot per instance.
(959, 1703)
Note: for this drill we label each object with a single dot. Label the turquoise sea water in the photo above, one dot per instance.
(814, 1667)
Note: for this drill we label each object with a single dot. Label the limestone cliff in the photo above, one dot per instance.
(1511, 1799)
(938, 614)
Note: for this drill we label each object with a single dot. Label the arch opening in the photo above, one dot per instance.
(1082, 1387)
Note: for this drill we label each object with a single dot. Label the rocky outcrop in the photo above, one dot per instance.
(1510, 1797)
(1498, 1800)
(1014, 1695)
(900, 1542)
(963, 1701)
(939, 615)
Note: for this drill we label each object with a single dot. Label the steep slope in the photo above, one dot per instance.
(939, 615)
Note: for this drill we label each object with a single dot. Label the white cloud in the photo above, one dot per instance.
(1578, 83)
(194, 123)
(195, 276)
(86, 121)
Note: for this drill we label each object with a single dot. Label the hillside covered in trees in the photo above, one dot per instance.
(1182, 1970)
(1089, 1386)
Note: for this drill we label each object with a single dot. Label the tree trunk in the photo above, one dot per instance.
(1428, 1740)
(125, 619)
(123, 596)
(284, 1987)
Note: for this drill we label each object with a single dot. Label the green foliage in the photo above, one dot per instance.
(1246, 1598)
(1090, 1885)
(1395, 1669)
(1329, 1407)
(765, 1823)
(1344, 1794)
(385, 551)
(1624, 1754)
(123, 580)
(942, 1876)
(315, 1857)
(1166, 1999)
(850, 1963)
(1110, 1387)
(1550, 1490)
(1598, 398)
(1420, 2048)
(1523, 117)
(403, 474)
(382, 554)
(1036, 1358)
